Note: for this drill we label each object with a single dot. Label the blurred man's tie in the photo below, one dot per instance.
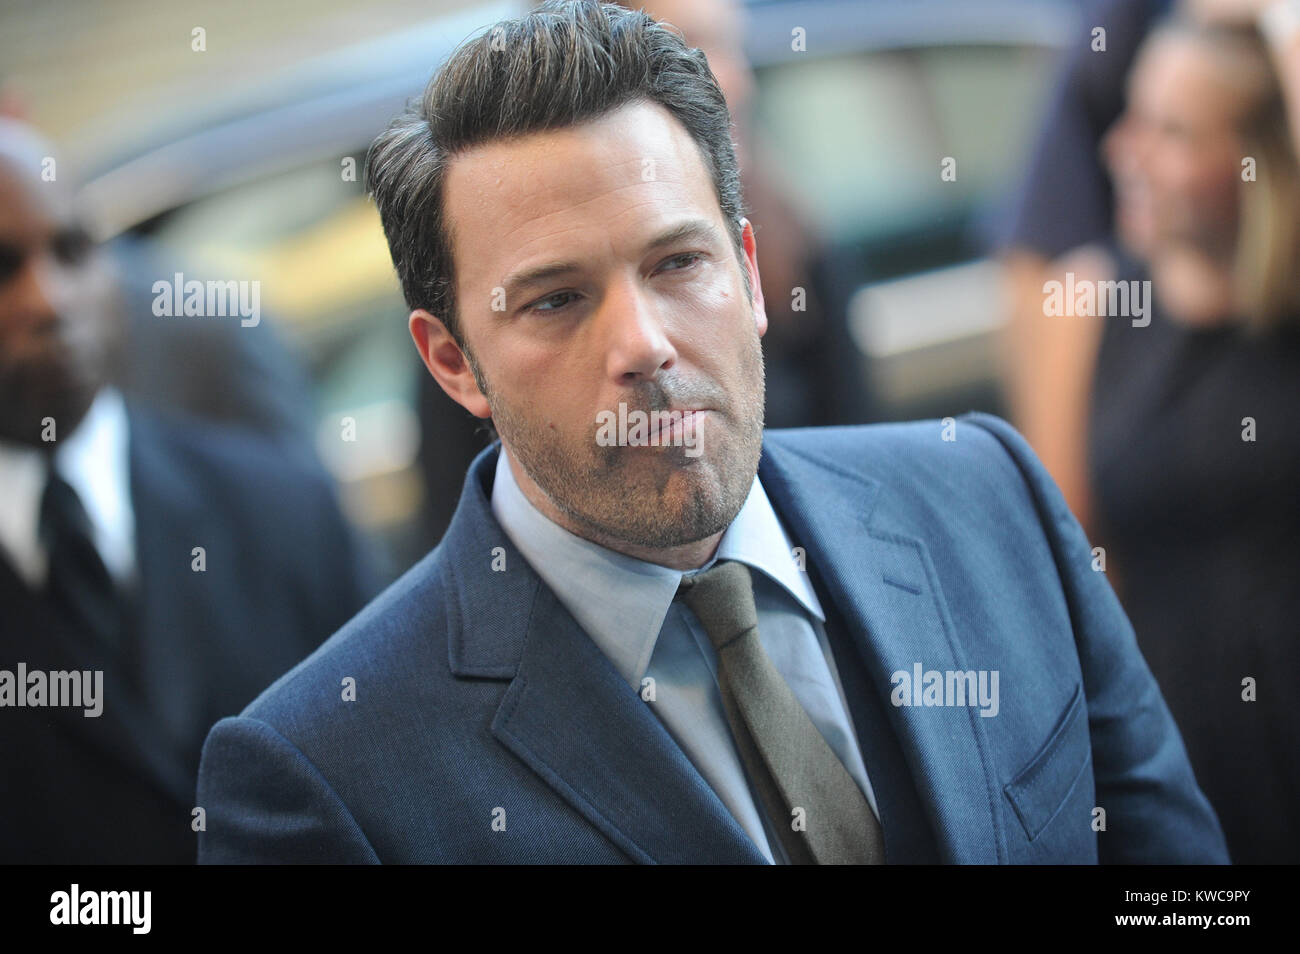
(788, 760)
(78, 585)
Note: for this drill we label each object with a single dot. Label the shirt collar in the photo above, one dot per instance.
(620, 601)
(95, 461)
(22, 474)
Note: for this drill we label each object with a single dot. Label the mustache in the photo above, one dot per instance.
(654, 396)
(650, 402)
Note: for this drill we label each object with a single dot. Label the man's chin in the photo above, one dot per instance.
(652, 533)
(27, 421)
(686, 508)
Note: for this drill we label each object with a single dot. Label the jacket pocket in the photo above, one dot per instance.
(1040, 790)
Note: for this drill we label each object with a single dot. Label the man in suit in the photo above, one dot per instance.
(165, 568)
(654, 633)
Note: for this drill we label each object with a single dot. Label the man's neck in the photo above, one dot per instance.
(688, 556)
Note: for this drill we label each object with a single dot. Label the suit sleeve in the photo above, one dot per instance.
(1155, 811)
(266, 803)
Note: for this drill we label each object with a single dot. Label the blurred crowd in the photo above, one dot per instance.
(165, 517)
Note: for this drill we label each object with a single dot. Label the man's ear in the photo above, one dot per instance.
(756, 283)
(446, 362)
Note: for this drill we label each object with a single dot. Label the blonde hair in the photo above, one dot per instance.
(1267, 258)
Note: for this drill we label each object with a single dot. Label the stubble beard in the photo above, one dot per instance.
(656, 497)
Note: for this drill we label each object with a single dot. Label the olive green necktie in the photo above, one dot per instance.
(788, 760)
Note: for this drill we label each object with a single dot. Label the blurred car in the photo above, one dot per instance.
(886, 99)
(267, 185)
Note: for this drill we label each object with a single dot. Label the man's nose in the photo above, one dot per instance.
(38, 293)
(636, 343)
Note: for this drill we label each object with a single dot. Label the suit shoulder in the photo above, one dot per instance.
(907, 450)
(209, 452)
(401, 632)
(970, 471)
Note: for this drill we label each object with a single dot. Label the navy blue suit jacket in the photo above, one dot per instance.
(488, 727)
(283, 572)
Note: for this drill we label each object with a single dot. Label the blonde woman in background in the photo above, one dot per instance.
(1171, 426)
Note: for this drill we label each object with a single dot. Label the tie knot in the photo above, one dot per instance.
(723, 599)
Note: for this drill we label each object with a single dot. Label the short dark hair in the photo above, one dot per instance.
(563, 64)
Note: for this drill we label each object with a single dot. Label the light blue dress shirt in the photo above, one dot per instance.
(627, 607)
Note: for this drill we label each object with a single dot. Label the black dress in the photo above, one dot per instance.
(1203, 528)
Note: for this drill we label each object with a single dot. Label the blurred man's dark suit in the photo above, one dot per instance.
(282, 572)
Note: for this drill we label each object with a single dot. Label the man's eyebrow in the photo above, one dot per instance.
(692, 229)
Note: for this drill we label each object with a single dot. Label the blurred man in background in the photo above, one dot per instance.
(243, 376)
(173, 567)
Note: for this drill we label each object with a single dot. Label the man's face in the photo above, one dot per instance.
(619, 319)
(56, 324)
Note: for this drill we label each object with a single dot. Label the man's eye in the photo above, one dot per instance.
(72, 247)
(685, 260)
(558, 300)
(537, 305)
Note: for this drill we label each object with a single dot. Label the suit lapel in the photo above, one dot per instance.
(884, 584)
(567, 714)
(571, 718)
(578, 724)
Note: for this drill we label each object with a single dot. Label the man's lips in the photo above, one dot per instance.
(680, 421)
